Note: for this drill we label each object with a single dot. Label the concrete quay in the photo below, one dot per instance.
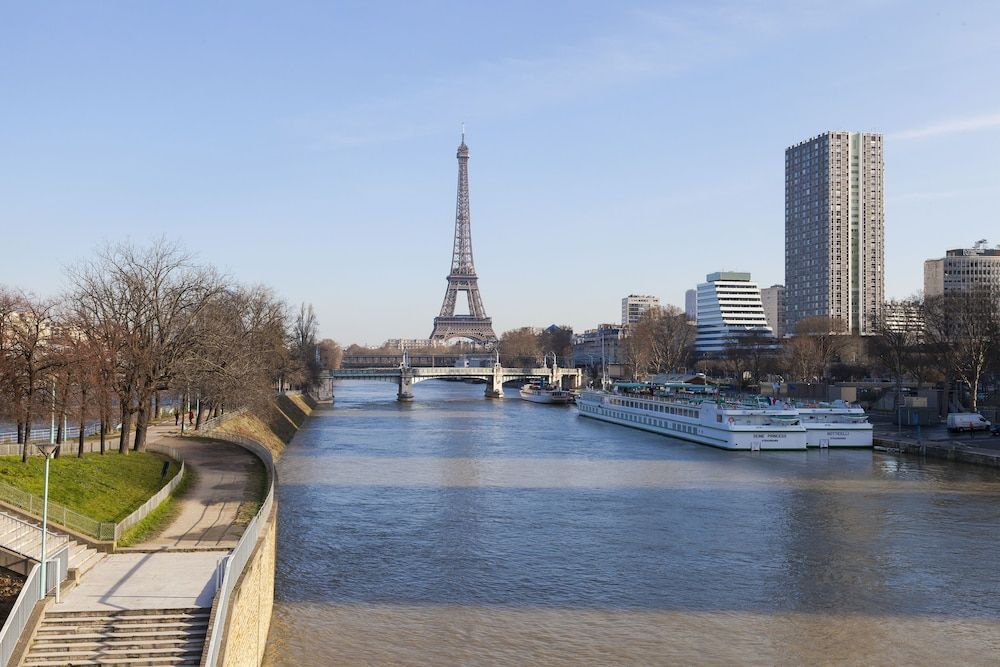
(983, 450)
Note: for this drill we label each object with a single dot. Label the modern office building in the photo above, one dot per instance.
(773, 299)
(691, 305)
(729, 308)
(835, 229)
(963, 269)
(634, 306)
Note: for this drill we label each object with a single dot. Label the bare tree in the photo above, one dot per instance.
(520, 347)
(817, 342)
(330, 354)
(964, 330)
(661, 341)
(141, 305)
(897, 337)
(33, 358)
(557, 340)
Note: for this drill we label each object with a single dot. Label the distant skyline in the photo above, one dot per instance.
(617, 149)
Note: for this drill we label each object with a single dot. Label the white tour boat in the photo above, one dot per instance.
(538, 392)
(708, 421)
(836, 424)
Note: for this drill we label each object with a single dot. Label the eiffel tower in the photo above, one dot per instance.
(462, 278)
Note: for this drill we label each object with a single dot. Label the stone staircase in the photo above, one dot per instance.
(24, 536)
(132, 637)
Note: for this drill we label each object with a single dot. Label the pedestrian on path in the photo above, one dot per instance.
(190, 416)
(177, 416)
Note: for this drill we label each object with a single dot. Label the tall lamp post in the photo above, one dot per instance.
(47, 450)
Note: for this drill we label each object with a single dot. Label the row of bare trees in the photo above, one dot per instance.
(952, 338)
(661, 341)
(138, 321)
(527, 347)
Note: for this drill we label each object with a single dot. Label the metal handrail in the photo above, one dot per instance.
(26, 600)
(231, 567)
(27, 529)
(71, 433)
(58, 514)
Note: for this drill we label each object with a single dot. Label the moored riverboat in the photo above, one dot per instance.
(834, 424)
(713, 421)
(539, 392)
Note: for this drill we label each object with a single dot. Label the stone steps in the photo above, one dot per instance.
(134, 637)
(23, 536)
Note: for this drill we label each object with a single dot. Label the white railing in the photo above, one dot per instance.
(157, 498)
(230, 568)
(10, 447)
(58, 513)
(25, 538)
(24, 605)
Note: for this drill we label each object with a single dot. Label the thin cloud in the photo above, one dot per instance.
(647, 46)
(948, 127)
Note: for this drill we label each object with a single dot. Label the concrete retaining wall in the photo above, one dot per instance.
(939, 450)
(253, 598)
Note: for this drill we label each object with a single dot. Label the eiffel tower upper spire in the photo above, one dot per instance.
(462, 277)
(461, 258)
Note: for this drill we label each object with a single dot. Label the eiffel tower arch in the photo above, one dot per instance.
(476, 326)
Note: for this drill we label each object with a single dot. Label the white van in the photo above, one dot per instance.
(968, 421)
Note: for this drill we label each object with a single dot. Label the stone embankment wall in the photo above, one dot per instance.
(959, 452)
(253, 597)
(252, 601)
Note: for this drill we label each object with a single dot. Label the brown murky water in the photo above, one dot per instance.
(459, 531)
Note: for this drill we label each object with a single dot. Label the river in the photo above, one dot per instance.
(456, 530)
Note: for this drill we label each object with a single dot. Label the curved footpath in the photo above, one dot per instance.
(161, 590)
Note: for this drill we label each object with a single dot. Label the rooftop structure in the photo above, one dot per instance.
(963, 269)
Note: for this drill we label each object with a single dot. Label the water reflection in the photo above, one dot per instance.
(464, 531)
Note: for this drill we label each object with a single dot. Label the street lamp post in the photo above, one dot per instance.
(47, 451)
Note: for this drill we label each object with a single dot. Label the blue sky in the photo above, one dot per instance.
(616, 147)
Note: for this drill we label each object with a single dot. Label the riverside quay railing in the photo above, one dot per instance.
(231, 567)
(100, 530)
(26, 600)
(10, 447)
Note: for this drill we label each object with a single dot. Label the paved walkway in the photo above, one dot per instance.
(174, 578)
(208, 508)
(146, 581)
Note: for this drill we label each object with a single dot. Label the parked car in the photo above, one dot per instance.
(968, 421)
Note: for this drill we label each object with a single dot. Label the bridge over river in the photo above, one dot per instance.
(495, 376)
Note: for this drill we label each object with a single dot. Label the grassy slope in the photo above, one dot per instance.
(105, 488)
(273, 430)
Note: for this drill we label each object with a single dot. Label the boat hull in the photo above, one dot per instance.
(736, 438)
(545, 398)
(839, 435)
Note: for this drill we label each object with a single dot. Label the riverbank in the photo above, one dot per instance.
(950, 450)
(222, 525)
(244, 600)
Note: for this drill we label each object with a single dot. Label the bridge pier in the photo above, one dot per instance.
(494, 385)
(405, 387)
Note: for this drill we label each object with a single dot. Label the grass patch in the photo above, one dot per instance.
(161, 517)
(254, 493)
(105, 488)
(251, 426)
